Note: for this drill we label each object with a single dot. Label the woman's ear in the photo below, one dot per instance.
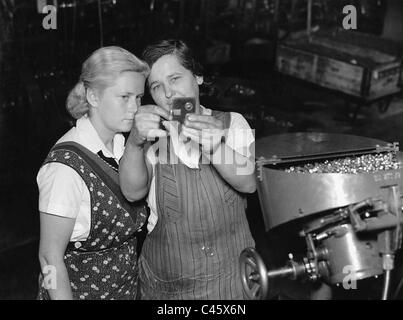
(92, 98)
(199, 80)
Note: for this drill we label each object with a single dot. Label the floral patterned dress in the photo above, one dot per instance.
(105, 265)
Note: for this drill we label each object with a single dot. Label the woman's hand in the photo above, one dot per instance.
(206, 130)
(146, 125)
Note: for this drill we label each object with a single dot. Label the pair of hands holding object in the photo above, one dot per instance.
(204, 129)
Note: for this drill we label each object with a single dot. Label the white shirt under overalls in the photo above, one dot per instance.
(62, 192)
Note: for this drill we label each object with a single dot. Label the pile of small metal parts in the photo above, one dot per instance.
(368, 163)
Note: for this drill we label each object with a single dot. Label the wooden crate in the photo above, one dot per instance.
(353, 64)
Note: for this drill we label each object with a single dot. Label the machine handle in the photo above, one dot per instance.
(254, 276)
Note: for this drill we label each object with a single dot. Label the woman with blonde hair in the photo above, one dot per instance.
(88, 229)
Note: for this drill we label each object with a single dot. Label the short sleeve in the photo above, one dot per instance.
(240, 136)
(60, 190)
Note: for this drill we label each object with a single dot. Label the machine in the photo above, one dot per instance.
(343, 193)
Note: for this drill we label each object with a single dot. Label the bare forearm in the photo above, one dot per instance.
(133, 174)
(56, 278)
(236, 169)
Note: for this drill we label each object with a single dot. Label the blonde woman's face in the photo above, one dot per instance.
(118, 104)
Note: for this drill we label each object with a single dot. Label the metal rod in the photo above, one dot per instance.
(282, 272)
(101, 31)
(182, 15)
(276, 10)
(309, 19)
(398, 288)
(386, 285)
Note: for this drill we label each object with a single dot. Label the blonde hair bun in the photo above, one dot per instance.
(100, 71)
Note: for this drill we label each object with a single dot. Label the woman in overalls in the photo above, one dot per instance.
(197, 226)
(88, 229)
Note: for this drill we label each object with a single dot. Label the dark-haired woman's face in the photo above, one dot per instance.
(169, 79)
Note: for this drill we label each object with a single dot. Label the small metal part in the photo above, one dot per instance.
(368, 163)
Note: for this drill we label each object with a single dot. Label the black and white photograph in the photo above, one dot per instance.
(221, 151)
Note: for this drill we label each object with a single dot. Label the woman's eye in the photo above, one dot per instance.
(156, 87)
(125, 97)
(175, 79)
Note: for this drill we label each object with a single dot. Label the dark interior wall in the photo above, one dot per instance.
(393, 25)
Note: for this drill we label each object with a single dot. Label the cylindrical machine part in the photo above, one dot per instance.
(293, 270)
(351, 258)
(386, 285)
(281, 273)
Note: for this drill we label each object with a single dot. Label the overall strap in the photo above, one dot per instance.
(108, 175)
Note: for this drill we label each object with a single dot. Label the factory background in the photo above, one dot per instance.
(260, 59)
